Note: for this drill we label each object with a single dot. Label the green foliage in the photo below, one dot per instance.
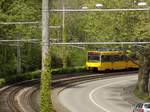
(19, 10)
(45, 87)
(23, 77)
(30, 57)
(75, 56)
(45, 105)
(2, 82)
(108, 26)
(8, 60)
(37, 74)
(83, 27)
(60, 71)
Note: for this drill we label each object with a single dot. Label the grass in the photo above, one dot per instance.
(141, 95)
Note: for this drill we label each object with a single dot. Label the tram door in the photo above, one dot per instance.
(119, 62)
(106, 62)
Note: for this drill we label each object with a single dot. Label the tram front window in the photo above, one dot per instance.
(93, 58)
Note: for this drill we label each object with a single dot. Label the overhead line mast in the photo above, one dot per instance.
(45, 90)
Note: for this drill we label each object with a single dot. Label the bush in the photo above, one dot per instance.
(68, 70)
(37, 74)
(2, 82)
(23, 77)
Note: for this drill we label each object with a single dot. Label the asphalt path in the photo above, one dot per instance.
(103, 95)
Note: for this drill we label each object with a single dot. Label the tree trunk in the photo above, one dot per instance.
(149, 83)
(143, 78)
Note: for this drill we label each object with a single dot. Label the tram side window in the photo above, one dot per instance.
(125, 58)
(93, 58)
(116, 58)
(120, 58)
(106, 58)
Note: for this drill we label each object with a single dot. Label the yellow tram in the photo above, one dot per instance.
(108, 60)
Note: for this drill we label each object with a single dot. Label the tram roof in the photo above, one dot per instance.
(106, 52)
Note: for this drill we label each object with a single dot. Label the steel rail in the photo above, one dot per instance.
(8, 96)
(31, 99)
(12, 104)
(28, 99)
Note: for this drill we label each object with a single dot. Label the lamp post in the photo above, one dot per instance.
(142, 4)
(98, 6)
(84, 7)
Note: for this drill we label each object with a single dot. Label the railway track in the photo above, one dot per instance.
(9, 96)
(24, 97)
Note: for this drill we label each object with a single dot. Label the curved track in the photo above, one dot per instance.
(13, 97)
(24, 97)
